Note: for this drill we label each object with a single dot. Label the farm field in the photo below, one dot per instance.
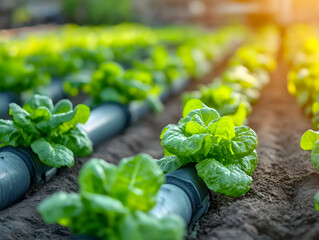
(159, 120)
(279, 204)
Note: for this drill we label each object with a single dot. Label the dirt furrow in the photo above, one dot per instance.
(22, 221)
(280, 202)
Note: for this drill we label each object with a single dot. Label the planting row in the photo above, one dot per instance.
(302, 53)
(121, 202)
(121, 64)
(48, 135)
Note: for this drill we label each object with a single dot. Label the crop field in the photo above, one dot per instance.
(244, 92)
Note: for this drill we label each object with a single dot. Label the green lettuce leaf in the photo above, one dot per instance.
(97, 176)
(176, 142)
(202, 134)
(9, 133)
(51, 154)
(244, 142)
(229, 180)
(60, 206)
(114, 202)
(141, 179)
(169, 163)
(317, 201)
(77, 141)
(51, 131)
(38, 101)
(315, 155)
(63, 106)
(309, 139)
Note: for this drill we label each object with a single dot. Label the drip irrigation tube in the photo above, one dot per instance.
(106, 121)
(184, 194)
(21, 165)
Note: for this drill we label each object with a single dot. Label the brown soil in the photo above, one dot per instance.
(278, 206)
(280, 202)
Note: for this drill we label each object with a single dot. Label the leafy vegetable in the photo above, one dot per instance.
(16, 76)
(302, 53)
(301, 46)
(222, 98)
(114, 201)
(225, 155)
(309, 141)
(112, 83)
(49, 130)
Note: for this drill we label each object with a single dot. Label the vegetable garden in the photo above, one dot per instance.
(132, 132)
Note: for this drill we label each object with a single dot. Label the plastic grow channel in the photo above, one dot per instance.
(20, 167)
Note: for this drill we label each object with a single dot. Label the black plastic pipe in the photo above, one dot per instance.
(21, 165)
(18, 168)
(105, 122)
(184, 194)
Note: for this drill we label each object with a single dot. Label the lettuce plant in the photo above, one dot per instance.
(224, 154)
(223, 99)
(111, 83)
(241, 80)
(163, 63)
(16, 76)
(114, 201)
(57, 64)
(251, 57)
(310, 141)
(51, 131)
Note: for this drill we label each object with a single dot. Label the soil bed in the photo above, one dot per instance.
(280, 203)
(278, 206)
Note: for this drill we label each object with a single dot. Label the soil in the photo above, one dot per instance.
(279, 205)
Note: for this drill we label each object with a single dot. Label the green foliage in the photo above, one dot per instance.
(49, 130)
(223, 99)
(97, 11)
(301, 49)
(225, 154)
(161, 61)
(112, 83)
(16, 76)
(114, 201)
(253, 59)
(245, 82)
(54, 64)
(240, 85)
(310, 141)
(302, 52)
(317, 201)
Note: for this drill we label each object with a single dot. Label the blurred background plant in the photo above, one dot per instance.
(17, 13)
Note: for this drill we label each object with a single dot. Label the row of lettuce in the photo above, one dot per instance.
(233, 93)
(114, 201)
(302, 54)
(119, 63)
